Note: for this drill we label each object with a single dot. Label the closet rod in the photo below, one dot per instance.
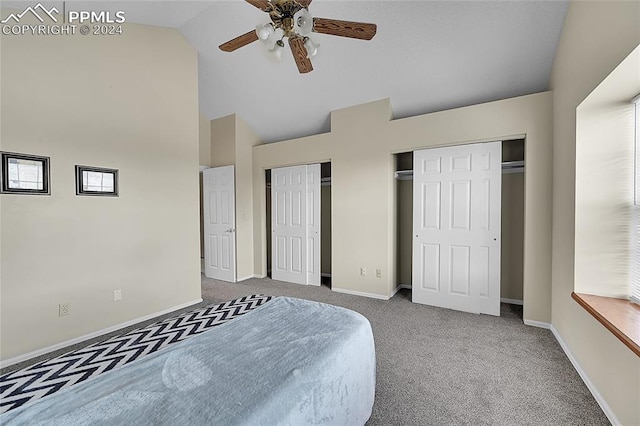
(507, 167)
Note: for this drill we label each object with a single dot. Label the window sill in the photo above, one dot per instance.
(620, 317)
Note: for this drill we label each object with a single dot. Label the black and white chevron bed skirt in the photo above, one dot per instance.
(49, 376)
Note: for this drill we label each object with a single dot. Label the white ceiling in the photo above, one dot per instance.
(426, 56)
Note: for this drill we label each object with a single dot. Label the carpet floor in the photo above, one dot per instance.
(442, 367)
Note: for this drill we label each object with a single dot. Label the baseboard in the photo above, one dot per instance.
(325, 275)
(400, 287)
(395, 290)
(583, 375)
(248, 277)
(539, 324)
(359, 293)
(511, 301)
(85, 337)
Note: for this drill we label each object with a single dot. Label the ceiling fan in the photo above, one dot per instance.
(291, 19)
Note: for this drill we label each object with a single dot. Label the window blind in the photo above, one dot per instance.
(635, 212)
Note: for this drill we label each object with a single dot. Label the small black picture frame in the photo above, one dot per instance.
(24, 174)
(97, 181)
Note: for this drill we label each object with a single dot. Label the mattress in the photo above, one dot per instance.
(287, 362)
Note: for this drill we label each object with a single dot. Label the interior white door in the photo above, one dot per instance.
(456, 224)
(218, 192)
(295, 224)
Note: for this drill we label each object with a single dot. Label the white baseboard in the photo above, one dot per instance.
(325, 275)
(598, 397)
(38, 352)
(248, 277)
(400, 287)
(360, 293)
(511, 301)
(539, 324)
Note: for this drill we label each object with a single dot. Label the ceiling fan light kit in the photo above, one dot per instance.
(291, 19)
(265, 31)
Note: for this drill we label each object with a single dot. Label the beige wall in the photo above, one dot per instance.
(223, 140)
(361, 147)
(204, 134)
(231, 144)
(127, 102)
(245, 141)
(596, 37)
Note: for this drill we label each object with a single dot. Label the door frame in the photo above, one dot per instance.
(312, 237)
(232, 226)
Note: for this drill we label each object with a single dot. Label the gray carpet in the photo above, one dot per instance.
(441, 367)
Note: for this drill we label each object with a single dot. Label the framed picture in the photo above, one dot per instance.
(24, 174)
(96, 181)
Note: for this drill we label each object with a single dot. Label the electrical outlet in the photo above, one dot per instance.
(379, 273)
(363, 272)
(117, 295)
(64, 309)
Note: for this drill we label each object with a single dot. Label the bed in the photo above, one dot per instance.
(287, 362)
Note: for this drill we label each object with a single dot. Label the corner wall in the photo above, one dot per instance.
(128, 102)
(596, 37)
(360, 147)
(231, 145)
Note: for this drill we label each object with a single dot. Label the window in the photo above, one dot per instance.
(635, 212)
(96, 181)
(24, 174)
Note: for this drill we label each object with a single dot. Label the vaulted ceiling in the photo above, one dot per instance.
(426, 56)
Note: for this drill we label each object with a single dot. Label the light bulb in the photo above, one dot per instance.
(264, 31)
(302, 22)
(312, 48)
(277, 49)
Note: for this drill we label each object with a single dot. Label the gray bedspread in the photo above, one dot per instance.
(288, 362)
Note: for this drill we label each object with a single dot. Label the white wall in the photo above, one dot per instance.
(127, 102)
(596, 37)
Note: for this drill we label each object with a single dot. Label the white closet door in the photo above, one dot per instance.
(295, 224)
(456, 224)
(313, 224)
(218, 199)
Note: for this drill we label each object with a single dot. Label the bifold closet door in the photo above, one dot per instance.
(456, 227)
(295, 224)
(218, 200)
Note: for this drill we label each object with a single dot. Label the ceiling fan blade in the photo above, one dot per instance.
(300, 55)
(263, 5)
(304, 3)
(336, 27)
(239, 41)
